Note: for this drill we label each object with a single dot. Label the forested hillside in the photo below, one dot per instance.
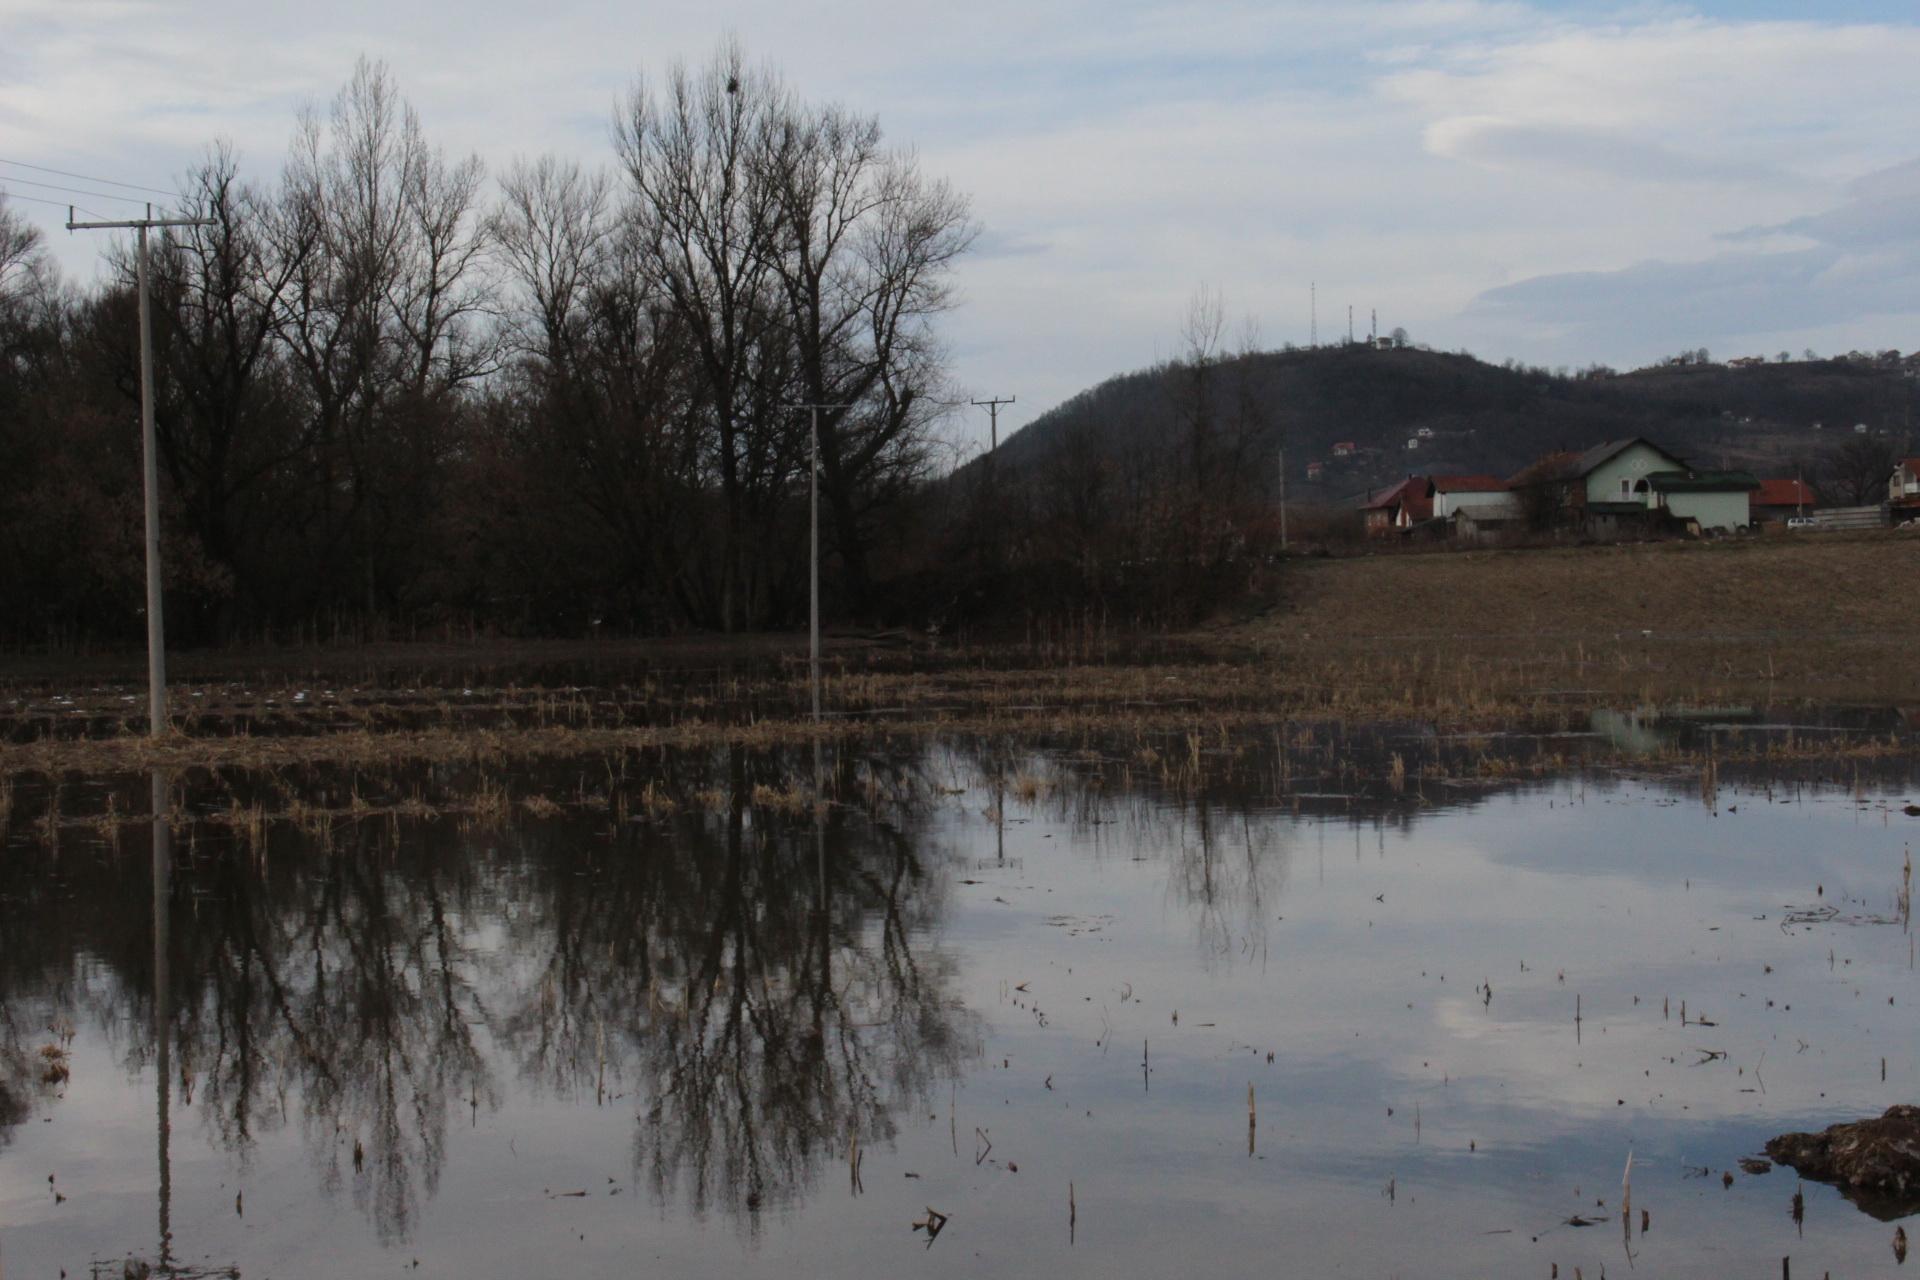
(1478, 417)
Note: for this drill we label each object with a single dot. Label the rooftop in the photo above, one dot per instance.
(1702, 481)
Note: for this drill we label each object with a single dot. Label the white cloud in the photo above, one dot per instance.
(1410, 156)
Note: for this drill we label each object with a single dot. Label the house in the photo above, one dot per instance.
(1705, 500)
(1425, 433)
(1397, 508)
(1413, 442)
(1451, 494)
(1903, 491)
(1484, 524)
(1601, 490)
(1344, 449)
(1777, 500)
(1316, 472)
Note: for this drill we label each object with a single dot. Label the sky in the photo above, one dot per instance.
(1554, 182)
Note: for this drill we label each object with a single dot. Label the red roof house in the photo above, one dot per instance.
(1778, 499)
(1399, 507)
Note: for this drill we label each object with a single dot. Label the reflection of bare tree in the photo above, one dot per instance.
(366, 990)
(1216, 829)
(758, 1033)
(346, 980)
(16, 1074)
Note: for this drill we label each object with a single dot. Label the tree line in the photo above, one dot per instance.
(391, 390)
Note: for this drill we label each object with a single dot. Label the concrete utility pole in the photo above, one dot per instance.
(150, 466)
(813, 598)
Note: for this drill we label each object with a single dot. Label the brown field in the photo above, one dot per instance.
(1809, 617)
(1467, 640)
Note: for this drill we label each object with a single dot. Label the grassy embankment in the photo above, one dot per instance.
(1467, 640)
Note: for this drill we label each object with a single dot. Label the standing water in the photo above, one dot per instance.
(989, 1012)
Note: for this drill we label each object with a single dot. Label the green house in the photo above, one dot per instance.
(1710, 499)
(1627, 484)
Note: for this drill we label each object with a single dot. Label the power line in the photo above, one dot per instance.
(106, 182)
(77, 191)
(58, 204)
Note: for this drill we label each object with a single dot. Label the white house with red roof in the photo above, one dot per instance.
(1453, 494)
(1783, 499)
(1903, 490)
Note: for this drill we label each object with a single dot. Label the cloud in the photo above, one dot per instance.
(1479, 170)
(1613, 154)
(1882, 210)
(1862, 262)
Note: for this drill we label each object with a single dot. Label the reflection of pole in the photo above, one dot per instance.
(1000, 826)
(162, 1009)
(813, 589)
(819, 831)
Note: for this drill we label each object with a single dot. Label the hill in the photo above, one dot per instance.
(1470, 416)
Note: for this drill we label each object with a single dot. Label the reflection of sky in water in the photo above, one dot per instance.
(1353, 951)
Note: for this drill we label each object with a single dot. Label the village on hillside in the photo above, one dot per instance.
(1621, 489)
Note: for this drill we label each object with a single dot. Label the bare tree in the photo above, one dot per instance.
(1859, 467)
(22, 258)
(379, 316)
(867, 244)
(694, 157)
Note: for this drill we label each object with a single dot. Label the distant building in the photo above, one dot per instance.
(1344, 449)
(1599, 490)
(1709, 500)
(1452, 494)
(1624, 485)
(1903, 490)
(1396, 508)
(1777, 500)
(1316, 472)
(1487, 523)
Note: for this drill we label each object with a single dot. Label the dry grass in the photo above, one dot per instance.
(1465, 641)
(1802, 617)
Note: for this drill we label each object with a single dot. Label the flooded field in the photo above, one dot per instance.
(1322, 1001)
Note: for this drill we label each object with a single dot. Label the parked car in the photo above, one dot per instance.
(1803, 522)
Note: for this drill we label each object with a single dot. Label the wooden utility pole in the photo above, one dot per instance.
(993, 427)
(1283, 497)
(150, 466)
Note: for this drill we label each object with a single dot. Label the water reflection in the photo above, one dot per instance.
(753, 991)
(740, 987)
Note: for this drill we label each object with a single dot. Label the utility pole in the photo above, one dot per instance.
(1349, 324)
(1283, 497)
(150, 467)
(1313, 313)
(813, 595)
(993, 426)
